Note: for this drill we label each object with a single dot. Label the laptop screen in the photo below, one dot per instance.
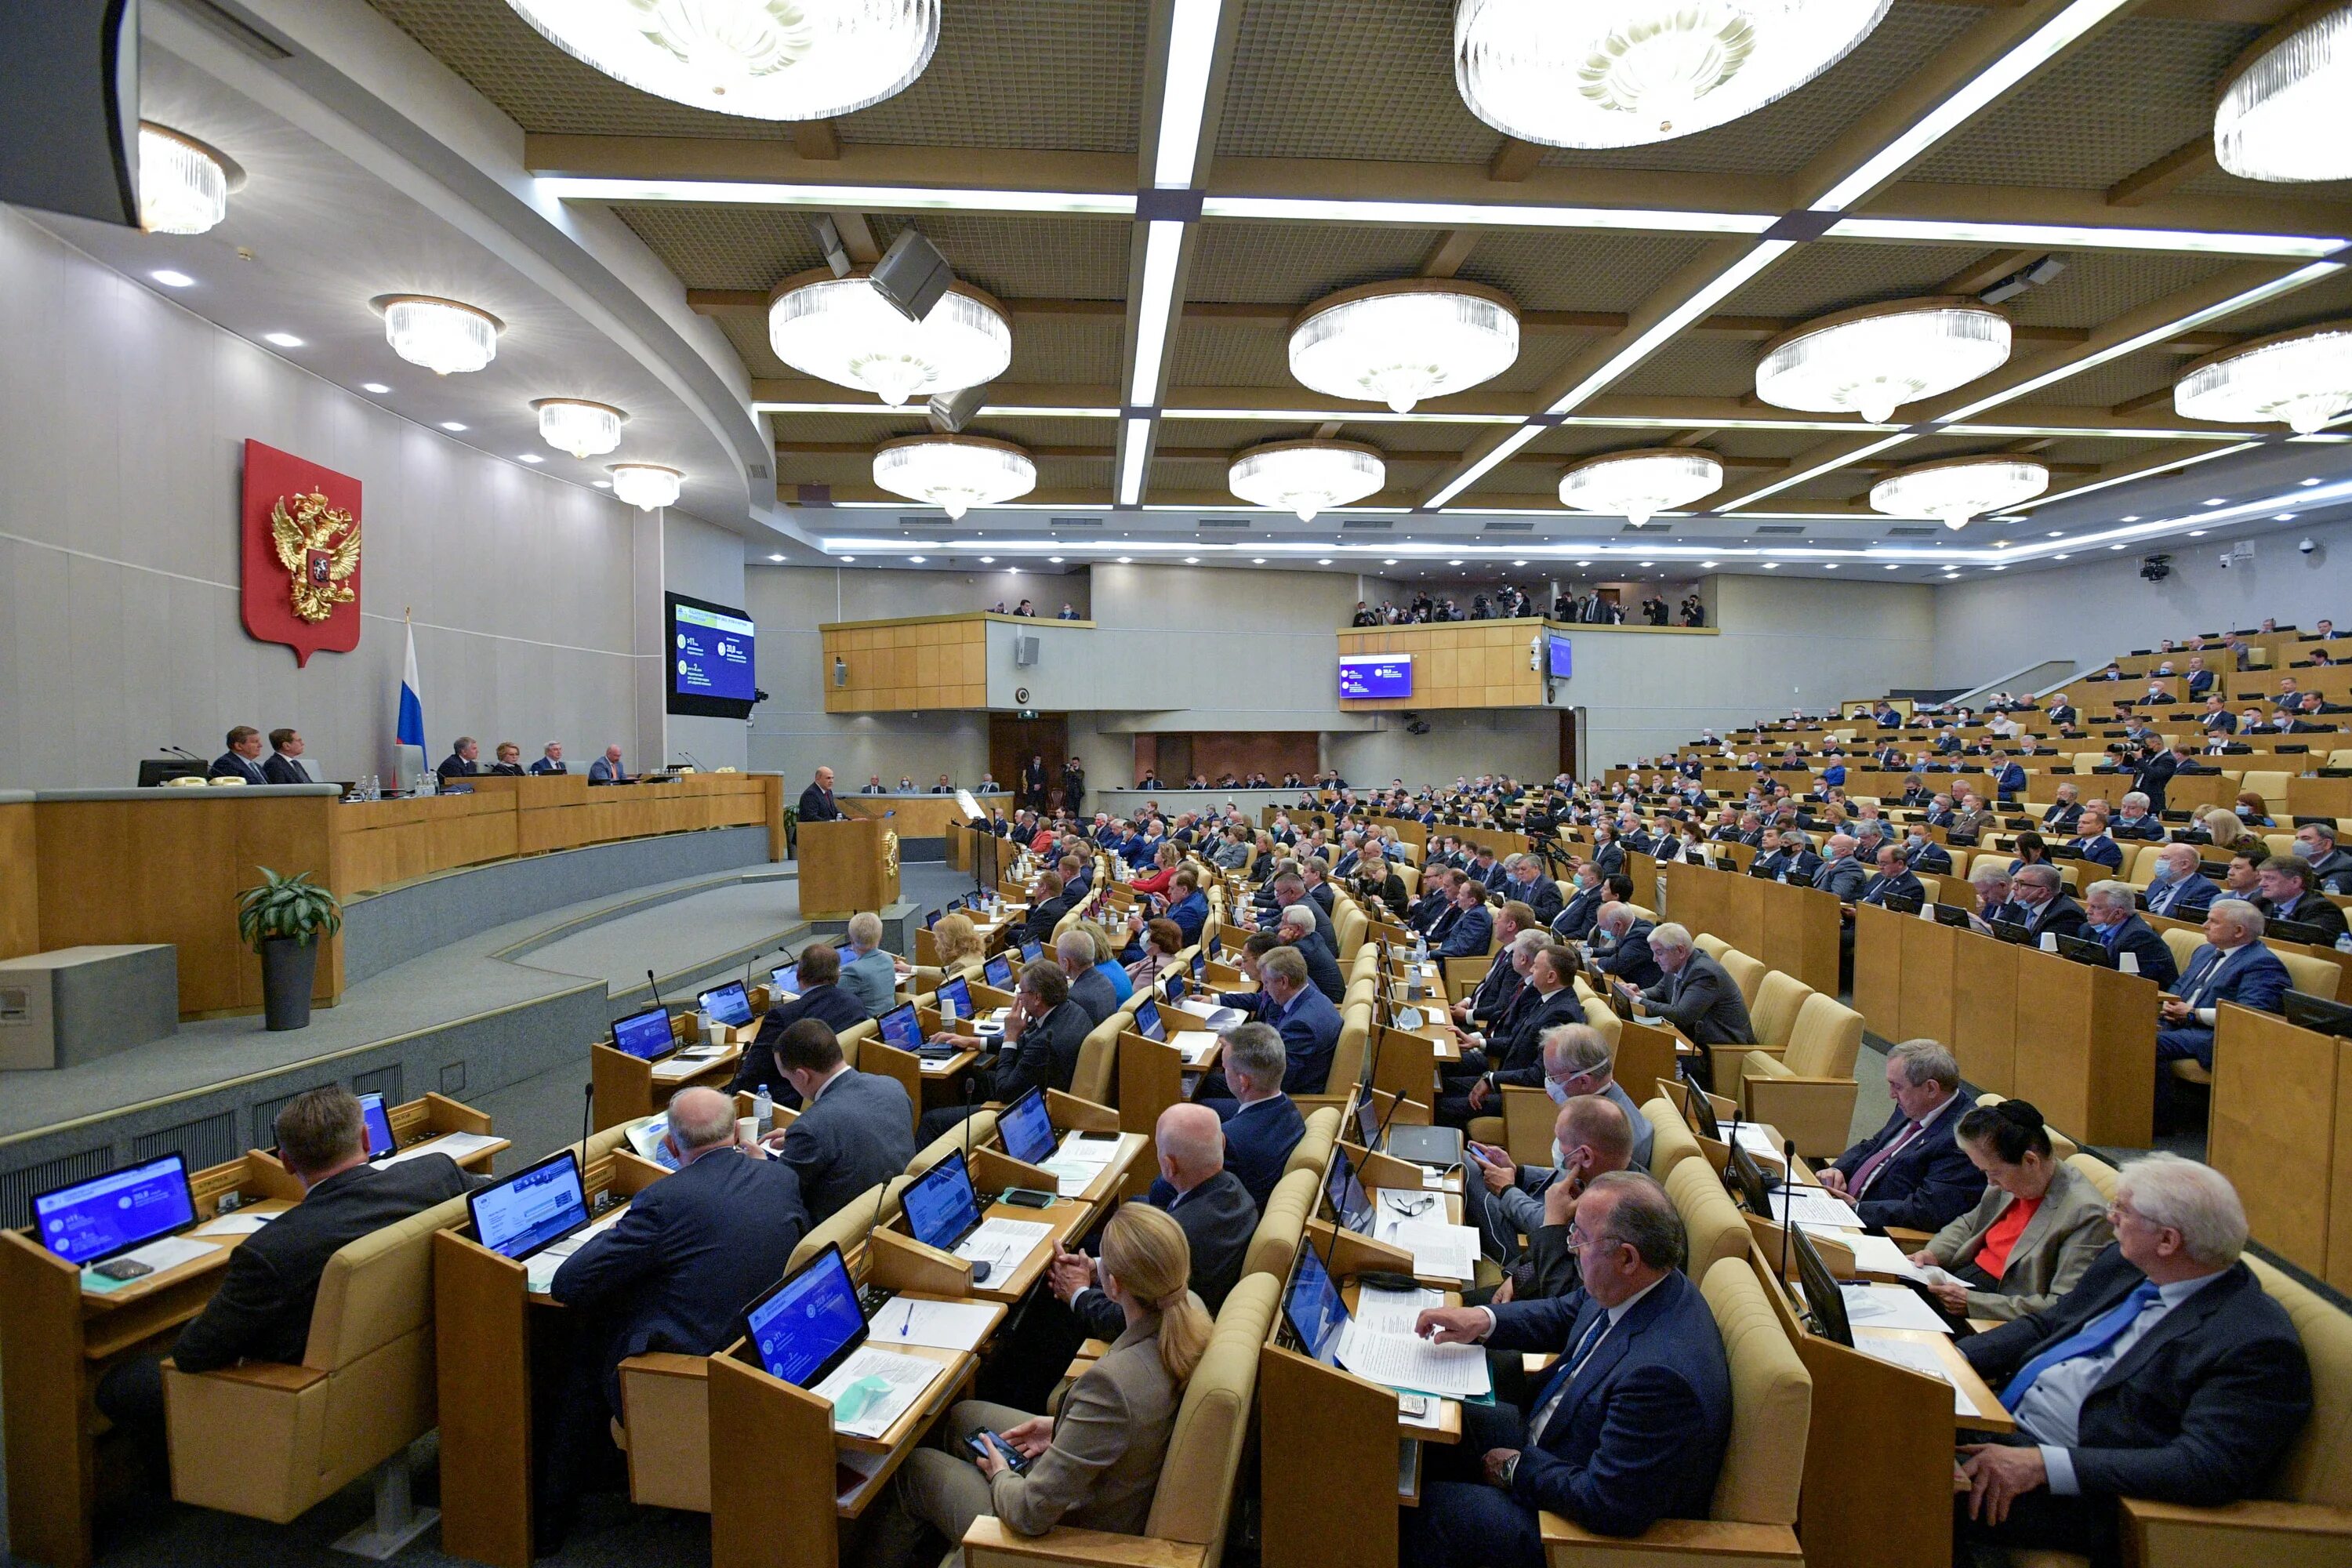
(515, 1217)
(1146, 1021)
(955, 991)
(1173, 983)
(1199, 964)
(999, 973)
(1031, 952)
(379, 1126)
(1347, 1194)
(806, 1325)
(901, 1028)
(940, 1206)
(114, 1212)
(1316, 1313)
(728, 1004)
(1027, 1132)
(1368, 1122)
(645, 1034)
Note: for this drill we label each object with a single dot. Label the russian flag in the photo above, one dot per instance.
(410, 728)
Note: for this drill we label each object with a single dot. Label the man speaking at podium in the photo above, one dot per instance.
(816, 801)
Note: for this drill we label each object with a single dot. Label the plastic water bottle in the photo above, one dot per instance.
(2343, 943)
(763, 1110)
(1419, 948)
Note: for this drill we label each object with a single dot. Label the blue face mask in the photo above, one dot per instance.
(2304, 849)
(2164, 872)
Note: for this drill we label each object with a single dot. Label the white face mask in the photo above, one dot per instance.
(1559, 1092)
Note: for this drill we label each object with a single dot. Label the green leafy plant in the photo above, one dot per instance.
(286, 907)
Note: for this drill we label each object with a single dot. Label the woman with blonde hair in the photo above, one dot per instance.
(1161, 940)
(1097, 1465)
(1106, 960)
(2228, 829)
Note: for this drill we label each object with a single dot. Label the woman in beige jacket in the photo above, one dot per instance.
(2036, 1229)
(1097, 1465)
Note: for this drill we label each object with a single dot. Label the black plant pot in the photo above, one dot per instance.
(287, 968)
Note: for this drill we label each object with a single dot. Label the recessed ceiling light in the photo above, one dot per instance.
(1324, 562)
(451, 425)
(1584, 563)
(915, 559)
(988, 560)
(2310, 482)
(170, 280)
(2132, 518)
(845, 558)
(2000, 568)
(1125, 559)
(1192, 560)
(1454, 564)
(1519, 562)
(377, 387)
(1894, 568)
(1647, 564)
(529, 458)
(283, 340)
(2056, 533)
(1772, 566)
(1012, 571)
(2217, 500)
(2062, 555)
(2195, 533)
(2283, 517)
(1707, 564)
(1054, 560)
(2115, 547)
(603, 484)
(1257, 560)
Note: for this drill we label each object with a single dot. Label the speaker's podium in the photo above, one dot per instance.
(847, 865)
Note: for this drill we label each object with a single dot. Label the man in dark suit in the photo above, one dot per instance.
(1894, 880)
(1528, 884)
(2091, 841)
(1924, 856)
(2166, 1373)
(243, 758)
(672, 1275)
(460, 763)
(1627, 1429)
(262, 1310)
(1840, 873)
(1047, 905)
(2331, 868)
(1627, 955)
(1298, 930)
(2178, 888)
(284, 766)
(551, 759)
(1913, 1171)
(1499, 986)
(1262, 1123)
(2232, 966)
(1467, 935)
(1575, 919)
(2040, 888)
(2062, 713)
(822, 998)
(855, 1131)
(1696, 994)
(1089, 988)
(816, 801)
(2065, 812)
(1513, 1053)
(2291, 892)
(2110, 917)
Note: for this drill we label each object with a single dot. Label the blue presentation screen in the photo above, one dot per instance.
(1562, 659)
(711, 668)
(1367, 676)
(380, 1140)
(940, 1206)
(116, 1212)
(523, 1214)
(813, 1317)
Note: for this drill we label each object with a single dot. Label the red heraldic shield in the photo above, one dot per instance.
(300, 533)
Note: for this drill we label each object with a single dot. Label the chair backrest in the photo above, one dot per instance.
(1673, 1143)
(1604, 1021)
(2318, 1467)
(1348, 1055)
(2271, 786)
(377, 1289)
(1313, 1150)
(1204, 1450)
(1275, 1241)
(1773, 1011)
(1772, 1400)
(2184, 941)
(846, 1226)
(1712, 945)
(1714, 1223)
(864, 1030)
(1096, 1075)
(2316, 975)
(1826, 1038)
(1349, 929)
(1748, 973)
(975, 1129)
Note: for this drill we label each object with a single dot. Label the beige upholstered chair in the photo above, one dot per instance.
(1746, 972)
(1672, 1141)
(1808, 1091)
(1715, 1228)
(1275, 1241)
(1313, 1151)
(1774, 1010)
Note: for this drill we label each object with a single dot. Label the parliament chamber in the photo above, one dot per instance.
(1433, 783)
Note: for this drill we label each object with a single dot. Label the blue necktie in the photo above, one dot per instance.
(1566, 1371)
(2089, 1340)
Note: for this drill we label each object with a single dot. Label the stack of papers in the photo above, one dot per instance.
(1918, 1357)
(1416, 1222)
(1386, 1311)
(1811, 1207)
(1890, 1307)
(539, 1269)
(1002, 1244)
(908, 1376)
(943, 1325)
(456, 1145)
(1759, 1143)
(1409, 1363)
(1079, 1160)
(1876, 1255)
(1193, 1046)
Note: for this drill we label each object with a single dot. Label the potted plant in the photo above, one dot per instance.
(282, 920)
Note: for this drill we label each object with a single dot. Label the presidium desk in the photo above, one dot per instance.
(166, 865)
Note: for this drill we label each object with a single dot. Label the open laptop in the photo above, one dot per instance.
(1441, 1147)
(1025, 1129)
(380, 1140)
(900, 1027)
(727, 1004)
(99, 1218)
(532, 1209)
(1951, 915)
(1148, 1022)
(956, 993)
(1314, 1308)
(1031, 951)
(645, 1035)
(2085, 950)
(943, 1210)
(808, 1322)
(998, 971)
(2305, 1011)
(1349, 1200)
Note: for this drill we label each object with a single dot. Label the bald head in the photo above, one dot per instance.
(1191, 1145)
(701, 1120)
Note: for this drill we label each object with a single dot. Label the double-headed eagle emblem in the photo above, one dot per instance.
(319, 545)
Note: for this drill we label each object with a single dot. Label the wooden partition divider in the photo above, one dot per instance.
(1793, 930)
(2281, 1130)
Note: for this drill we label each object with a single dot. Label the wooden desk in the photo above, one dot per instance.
(630, 1088)
(2282, 1132)
(919, 816)
(846, 865)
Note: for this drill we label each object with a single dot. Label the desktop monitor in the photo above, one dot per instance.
(931, 920)
(1368, 1122)
(380, 1140)
(727, 1004)
(1146, 1021)
(806, 1324)
(1901, 904)
(95, 1219)
(644, 1035)
(1951, 915)
(1747, 1178)
(1314, 1308)
(1822, 1299)
(958, 993)
(900, 1027)
(1027, 1132)
(1173, 985)
(543, 1204)
(2318, 1014)
(998, 971)
(1199, 964)
(1702, 1105)
(2012, 930)
(2296, 931)
(940, 1205)
(1562, 657)
(1213, 946)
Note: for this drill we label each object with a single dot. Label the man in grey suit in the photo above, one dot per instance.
(1842, 873)
(855, 1130)
(1696, 995)
(1089, 988)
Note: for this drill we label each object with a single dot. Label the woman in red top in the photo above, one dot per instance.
(1166, 862)
(2038, 1226)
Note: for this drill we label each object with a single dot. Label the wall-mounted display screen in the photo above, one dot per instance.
(1560, 661)
(711, 666)
(1375, 675)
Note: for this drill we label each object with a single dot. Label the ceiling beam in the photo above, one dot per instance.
(2161, 398)
(1447, 255)
(1982, 275)
(817, 140)
(2160, 178)
(856, 237)
(1514, 161)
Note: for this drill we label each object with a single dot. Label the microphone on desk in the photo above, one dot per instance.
(185, 754)
(655, 985)
(1788, 1202)
(587, 1114)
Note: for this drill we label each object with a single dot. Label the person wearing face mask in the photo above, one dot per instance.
(1924, 855)
(1514, 1053)
(2038, 1228)
(2110, 917)
(2039, 890)
(1589, 1137)
(2331, 868)
(2176, 889)
(1842, 872)
(1577, 1064)
(1575, 919)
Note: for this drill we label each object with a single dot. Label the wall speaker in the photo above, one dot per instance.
(1025, 649)
(912, 274)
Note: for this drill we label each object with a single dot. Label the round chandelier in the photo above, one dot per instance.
(2281, 112)
(645, 486)
(1623, 73)
(1872, 360)
(840, 330)
(2303, 378)
(1399, 343)
(576, 425)
(954, 472)
(442, 335)
(184, 185)
(762, 59)
(1307, 476)
(1955, 489)
(1640, 484)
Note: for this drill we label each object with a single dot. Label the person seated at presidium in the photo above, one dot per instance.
(461, 762)
(607, 769)
(262, 1310)
(1912, 1171)
(2166, 1374)
(285, 764)
(551, 759)
(1094, 1466)
(510, 762)
(1629, 1425)
(2037, 1227)
(243, 758)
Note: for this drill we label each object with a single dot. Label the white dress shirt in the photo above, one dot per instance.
(1616, 1314)
(2052, 1410)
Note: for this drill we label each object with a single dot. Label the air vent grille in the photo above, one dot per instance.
(1779, 530)
(1912, 532)
(1224, 522)
(1646, 528)
(1509, 525)
(1353, 523)
(1075, 522)
(941, 520)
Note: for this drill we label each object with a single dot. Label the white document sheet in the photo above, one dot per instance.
(1406, 1361)
(539, 1269)
(237, 1223)
(1813, 1207)
(907, 1375)
(1919, 1358)
(1193, 1044)
(1890, 1307)
(1382, 1311)
(169, 1253)
(944, 1325)
(1002, 1244)
(456, 1145)
(1440, 1251)
(1876, 1255)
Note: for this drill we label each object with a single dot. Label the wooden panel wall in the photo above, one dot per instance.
(20, 891)
(899, 667)
(1459, 664)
